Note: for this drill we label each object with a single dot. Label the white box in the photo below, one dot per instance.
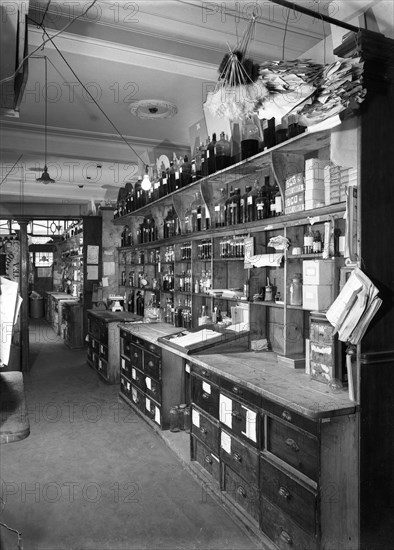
(310, 205)
(314, 194)
(318, 272)
(316, 297)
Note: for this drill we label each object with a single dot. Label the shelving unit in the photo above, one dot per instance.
(285, 326)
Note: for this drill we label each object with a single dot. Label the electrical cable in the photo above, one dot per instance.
(11, 77)
(45, 12)
(91, 97)
(11, 169)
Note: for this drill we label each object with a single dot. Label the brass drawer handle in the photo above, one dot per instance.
(284, 492)
(205, 373)
(292, 444)
(286, 415)
(286, 537)
(152, 347)
(237, 415)
(151, 364)
(208, 459)
(241, 491)
(203, 430)
(206, 396)
(135, 354)
(237, 390)
(237, 457)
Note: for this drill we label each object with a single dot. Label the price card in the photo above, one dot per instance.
(187, 367)
(250, 429)
(133, 394)
(123, 364)
(196, 418)
(225, 410)
(206, 387)
(147, 404)
(148, 383)
(157, 415)
(133, 374)
(225, 442)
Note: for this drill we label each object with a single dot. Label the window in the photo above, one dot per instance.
(43, 259)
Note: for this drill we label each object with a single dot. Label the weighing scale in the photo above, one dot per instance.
(116, 306)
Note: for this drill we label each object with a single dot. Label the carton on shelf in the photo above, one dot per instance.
(317, 297)
(318, 272)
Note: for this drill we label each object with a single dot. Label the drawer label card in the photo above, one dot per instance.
(196, 418)
(147, 404)
(123, 363)
(134, 374)
(206, 387)
(250, 428)
(134, 395)
(225, 442)
(148, 383)
(187, 367)
(215, 457)
(225, 410)
(157, 415)
(128, 386)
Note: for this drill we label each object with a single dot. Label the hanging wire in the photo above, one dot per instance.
(45, 13)
(11, 169)
(284, 36)
(46, 108)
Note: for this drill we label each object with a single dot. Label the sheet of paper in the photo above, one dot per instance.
(92, 272)
(250, 430)
(147, 404)
(225, 410)
(225, 442)
(157, 415)
(9, 303)
(196, 418)
(206, 387)
(148, 383)
(109, 268)
(92, 255)
(133, 374)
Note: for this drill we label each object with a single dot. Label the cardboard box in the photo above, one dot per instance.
(317, 297)
(297, 200)
(294, 180)
(299, 188)
(314, 173)
(318, 272)
(310, 205)
(314, 195)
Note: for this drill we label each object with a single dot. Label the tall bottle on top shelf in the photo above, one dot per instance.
(196, 165)
(220, 209)
(163, 181)
(210, 155)
(204, 160)
(222, 152)
(243, 204)
(130, 199)
(262, 201)
(250, 138)
(233, 207)
(155, 184)
(185, 172)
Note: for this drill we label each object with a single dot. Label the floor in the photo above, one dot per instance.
(93, 475)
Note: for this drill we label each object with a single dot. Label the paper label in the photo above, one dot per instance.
(225, 442)
(187, 368)
(206, 387)
(225, 410)
(250, 429)
(147, 404)
(217, 208)
(133, 374)
(128, 385)
(250, 200)
(148, 382)
(157, 415)
(123, 364)
(134, 394)
(196, 418)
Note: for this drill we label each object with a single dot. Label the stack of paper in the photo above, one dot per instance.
(354, 308)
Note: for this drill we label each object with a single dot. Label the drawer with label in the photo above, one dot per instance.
(138, 398)
(104, 352)
(205, 395)
(205, 457)
(135, 356)
(125, 387)
(205, 429)
(290, 416)
(205, 373)
(125, 367)
(153, 389)
(138, 378)
(242, 419)
(245, 494)
(102, 367)
(283, 531)
(241, 457)
(151, 409)
(241, 393)
(152, 365)
(296, 447)
(293, 498)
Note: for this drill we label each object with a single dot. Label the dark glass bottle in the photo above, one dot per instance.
(233, 208)
(204, 160)
(155, 185)
(163, 182)
(171, 177)
(140, 304)
(250, 138)
(186, 172)
(130, 199)
(251, 202)
(243, 205)
(222, 153)
(210, 155)
(262, 201)
(269, 132)
(130, 302)
(220, 209)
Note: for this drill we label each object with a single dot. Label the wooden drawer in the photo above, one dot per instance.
(242, 419)
(135, 355)
(296, 447)
(125, 367)
(241, 393)
(152, 410)
(102, 367)
(206, 396)
(205, 429)
(152, 365)
(137, 397)
(126, 336)
(205, 373)
(138, 378)
(153, 389)
(290, 416)
(245, 494)
(290, 496)
(283, 531)
(104, 352)
(152, 348)
(241, 457)
(205, 457)
(125, 387)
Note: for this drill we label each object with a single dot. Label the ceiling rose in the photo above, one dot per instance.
(153, 109)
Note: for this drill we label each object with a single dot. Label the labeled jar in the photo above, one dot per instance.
(296, 291)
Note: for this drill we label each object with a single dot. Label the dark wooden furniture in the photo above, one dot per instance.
(72, 322)
(104, 341)
(14, 420)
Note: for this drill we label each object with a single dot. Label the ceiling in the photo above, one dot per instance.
(123, 52)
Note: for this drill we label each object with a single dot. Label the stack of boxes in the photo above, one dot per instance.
(314, 183)
(295, 194)
(318, 284)
(336, 181)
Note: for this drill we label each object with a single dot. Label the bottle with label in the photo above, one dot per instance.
(308, 240)
(262, 201)
(233, 208)
(171, 177)
(296, 291)
(222, 152)
(317, 243)
(243, 205)
(186, 171)
(220, 209)
(188, 220)
(210, 155)
(130, 200)
(278, 203)
(251, 202)
(250, 138)
(204, 160)
(155, 185)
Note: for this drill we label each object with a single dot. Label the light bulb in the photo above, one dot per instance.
(146, 183)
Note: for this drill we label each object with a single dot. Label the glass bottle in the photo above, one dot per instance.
(229, 201)
(308, 240)
(269, 132)
(296, 291)
(186, 172)
(188, 220)
(233, 208)
(251, 202)
(137, 195)
(198, 212)
(196, 165)
(204, 162)
(155, 185)
(171, 177)
(243, 205)
(130, 199)
(317, 243)
(222, 152)
(163, 181)
(220, 209)
(210, 155)
(250, 138)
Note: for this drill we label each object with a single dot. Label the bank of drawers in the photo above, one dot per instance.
(265, 457)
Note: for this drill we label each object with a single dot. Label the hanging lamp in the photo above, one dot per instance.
(45, 177)
(146, 184)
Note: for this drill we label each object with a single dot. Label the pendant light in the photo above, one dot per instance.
(146, 183)
(45, 177)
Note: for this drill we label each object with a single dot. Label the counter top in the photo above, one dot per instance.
(14, 421)
(120, 316)
(260, 372)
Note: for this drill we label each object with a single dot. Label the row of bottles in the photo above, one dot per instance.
(312, 241)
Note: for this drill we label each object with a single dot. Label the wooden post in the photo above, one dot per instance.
(24, 292)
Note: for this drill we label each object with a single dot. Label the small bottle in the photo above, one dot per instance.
(174, 419)
(186, 171)
(187, 419)
(204, 160)
(262, 201)
(222, 152)
(210, 155)
(250, 138)
(220, 209)
(233, 208)
(243, 205)
(308, 240)
(317, 243)
(251, 202)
